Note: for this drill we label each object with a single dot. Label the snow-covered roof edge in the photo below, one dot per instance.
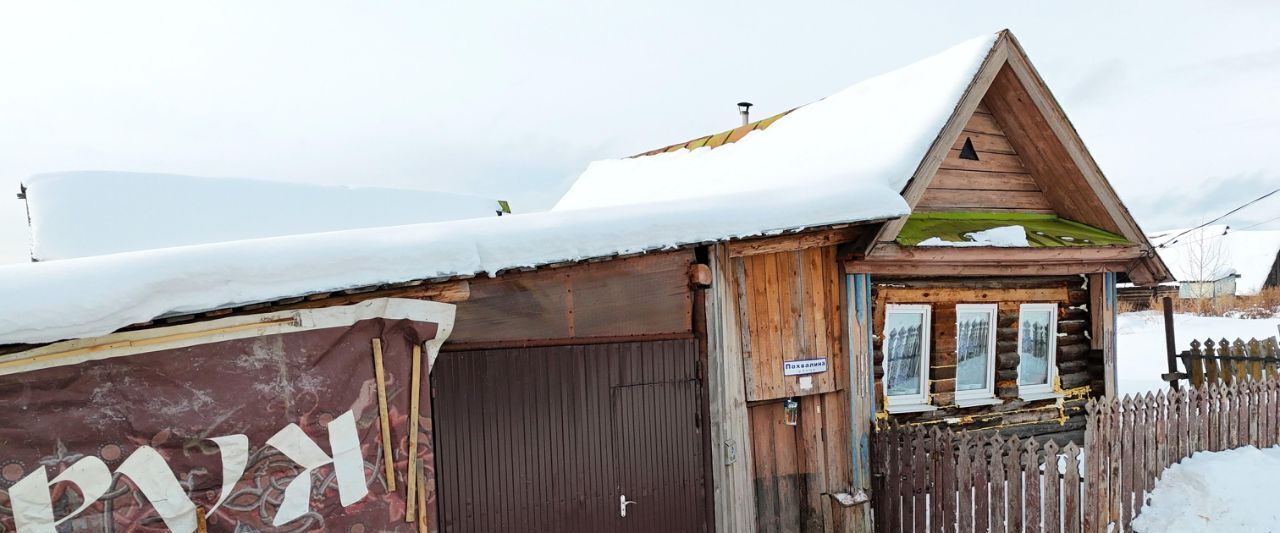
(86, 213)
(93, 296)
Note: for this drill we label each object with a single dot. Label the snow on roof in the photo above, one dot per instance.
(78, 214)
(841, 160)
(1215, 252)
(93, 296)
(873, 133)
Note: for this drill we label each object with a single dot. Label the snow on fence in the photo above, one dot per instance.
(941, 480)
(1230, 362)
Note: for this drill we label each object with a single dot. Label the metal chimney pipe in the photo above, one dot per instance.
(744, 109)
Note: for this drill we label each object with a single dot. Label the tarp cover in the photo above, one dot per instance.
(151, 436)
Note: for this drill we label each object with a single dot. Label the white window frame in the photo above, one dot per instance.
(1036, 392)
(985, 395)
(905, 403)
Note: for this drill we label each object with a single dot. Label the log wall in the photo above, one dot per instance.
(1078, 368)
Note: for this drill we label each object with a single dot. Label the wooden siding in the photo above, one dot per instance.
(997, 181)
(797, 466)
(639, 296)
(789, 303)
(1077, 371)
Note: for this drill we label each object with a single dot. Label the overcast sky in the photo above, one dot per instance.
(1178, 101)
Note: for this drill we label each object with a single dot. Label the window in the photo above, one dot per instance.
(906, 357)
(1037, 346)
(975, 353)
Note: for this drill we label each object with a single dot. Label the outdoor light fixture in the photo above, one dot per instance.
(791, 410)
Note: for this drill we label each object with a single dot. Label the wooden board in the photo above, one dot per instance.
(790, 306)
(644, 295)
(731, 450)
(997, 181)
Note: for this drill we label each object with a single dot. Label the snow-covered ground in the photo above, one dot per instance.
(1141, 346)
(1216, 492)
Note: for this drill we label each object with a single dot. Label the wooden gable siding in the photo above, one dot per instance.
(1077, 370)
(790, 305)
(998, 181)
(614, 300)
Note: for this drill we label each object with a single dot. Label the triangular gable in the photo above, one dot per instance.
(983, 172)
(1008, 96)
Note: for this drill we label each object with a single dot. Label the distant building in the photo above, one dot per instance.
(1216, 260)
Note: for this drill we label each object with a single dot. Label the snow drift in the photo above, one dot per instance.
(1216, 492)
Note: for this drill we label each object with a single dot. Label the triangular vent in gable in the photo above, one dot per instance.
(982, 172)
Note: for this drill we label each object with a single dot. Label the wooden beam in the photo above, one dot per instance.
(384, 420)
(915, 295)
(983, 269)
(894, 252)
(699, 275)
(798, 241)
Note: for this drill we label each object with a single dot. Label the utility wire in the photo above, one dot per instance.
(1229, 213)
(1259, 224)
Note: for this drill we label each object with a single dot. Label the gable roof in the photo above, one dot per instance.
(894, 131)
(871, 135)
(1040, 133)
(78, 214)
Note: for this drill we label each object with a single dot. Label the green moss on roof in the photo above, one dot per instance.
(1043, 231)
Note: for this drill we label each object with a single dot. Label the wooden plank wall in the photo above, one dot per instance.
(997, 182)
(643, 295)
(790, 307)
(1015, 416)
(732, 482)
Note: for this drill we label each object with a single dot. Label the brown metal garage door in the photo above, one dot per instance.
(552, 439)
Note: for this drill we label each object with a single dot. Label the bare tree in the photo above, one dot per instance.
(1205, 261)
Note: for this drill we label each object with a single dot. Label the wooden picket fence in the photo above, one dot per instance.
(1229, 362)
(941, 480)
(946, 481)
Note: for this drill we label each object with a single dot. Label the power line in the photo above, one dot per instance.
(1259, 224)
(1229, 213)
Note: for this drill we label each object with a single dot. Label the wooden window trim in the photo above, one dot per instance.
(1045, 390)
(906, 403)
(988, 392)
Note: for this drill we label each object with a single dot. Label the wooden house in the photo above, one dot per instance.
(727, 375)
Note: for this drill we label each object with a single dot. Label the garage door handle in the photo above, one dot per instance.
(622, 505)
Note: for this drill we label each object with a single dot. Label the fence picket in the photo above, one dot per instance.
(964, 485)
(1032, 478)
(1052, 501)
(981, 489)
(999, 486)
(921, 485)
(1211, 374)
(1071, 491)
(1013, 484)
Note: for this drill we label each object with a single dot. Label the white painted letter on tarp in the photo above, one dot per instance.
(348, 465)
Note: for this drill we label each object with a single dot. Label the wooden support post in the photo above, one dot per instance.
(1169, 344)
(201, 523)
(862, 408)
(383, 418)
(421, 480)
(411, 496)
(1102, 311)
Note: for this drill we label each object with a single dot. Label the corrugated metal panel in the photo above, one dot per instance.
(547, 439)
